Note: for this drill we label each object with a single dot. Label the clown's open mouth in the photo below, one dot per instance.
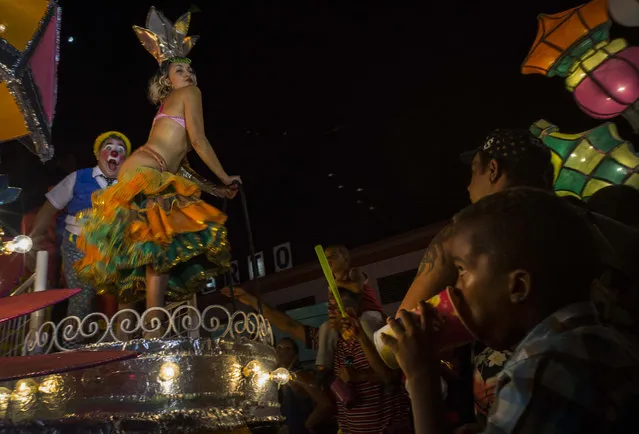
(112, 163)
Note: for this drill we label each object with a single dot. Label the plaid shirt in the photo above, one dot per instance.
(570, 374)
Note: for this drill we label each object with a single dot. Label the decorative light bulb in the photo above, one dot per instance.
(5, 396)
(169, 371)
(252, 368)
(26, 387)
(20, 244)
(50, 384)
(281, 376)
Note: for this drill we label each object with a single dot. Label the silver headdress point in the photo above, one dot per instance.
(164, 40)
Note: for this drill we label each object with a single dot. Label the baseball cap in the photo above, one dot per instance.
(511, 144)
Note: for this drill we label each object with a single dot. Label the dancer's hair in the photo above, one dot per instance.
(160, 86)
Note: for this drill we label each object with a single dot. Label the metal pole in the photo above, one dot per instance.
(229, 276)
(257, 292)
(40, 284)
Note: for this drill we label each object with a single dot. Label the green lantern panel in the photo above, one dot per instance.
(612, 171)
(570, 180)
(588, 161)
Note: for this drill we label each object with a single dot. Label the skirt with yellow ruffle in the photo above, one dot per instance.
(157, 219)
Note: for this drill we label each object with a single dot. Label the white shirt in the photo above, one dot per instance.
(60, 196)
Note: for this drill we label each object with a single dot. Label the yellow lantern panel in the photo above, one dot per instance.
(564, 193)
(624, 155)
(633, 181)
(11, 118)
(593, 186)
(584, 158)
(557, 162)
(21, 19)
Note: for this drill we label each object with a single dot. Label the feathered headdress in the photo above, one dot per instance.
(164, 40)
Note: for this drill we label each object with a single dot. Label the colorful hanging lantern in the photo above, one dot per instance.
(29, 53)
(603, 74)
(588, 161)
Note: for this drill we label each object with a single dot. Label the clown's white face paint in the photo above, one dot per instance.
(112, 155)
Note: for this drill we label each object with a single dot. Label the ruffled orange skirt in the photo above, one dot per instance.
(157, 219)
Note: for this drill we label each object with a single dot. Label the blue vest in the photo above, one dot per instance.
(85, 185)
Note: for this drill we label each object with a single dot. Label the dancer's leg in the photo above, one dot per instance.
(155, 289)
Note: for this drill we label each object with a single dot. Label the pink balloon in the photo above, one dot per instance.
(611, 87)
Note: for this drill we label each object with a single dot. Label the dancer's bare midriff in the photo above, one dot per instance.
(166, 147)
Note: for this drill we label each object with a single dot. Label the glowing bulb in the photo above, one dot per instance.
(26, 387)
(70, 39)
(5, 396)
(262, 378)
(50, 384)
(280, 376)
(3, 28)
(169, 371)
(20, 244)
(252, 368)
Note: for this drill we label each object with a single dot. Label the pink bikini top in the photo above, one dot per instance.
(177, 119)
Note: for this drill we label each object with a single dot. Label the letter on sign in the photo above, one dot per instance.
(283, 257)
(235, 272)
(261, 272)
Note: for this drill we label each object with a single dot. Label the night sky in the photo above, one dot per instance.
(383, 95)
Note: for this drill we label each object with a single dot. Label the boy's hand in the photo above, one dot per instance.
(413, 342)
(349, 326)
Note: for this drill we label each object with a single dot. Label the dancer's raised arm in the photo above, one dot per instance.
(195, 130)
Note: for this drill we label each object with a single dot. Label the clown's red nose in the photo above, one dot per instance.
(114, 154)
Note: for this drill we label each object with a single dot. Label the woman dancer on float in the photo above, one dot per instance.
(151, 235)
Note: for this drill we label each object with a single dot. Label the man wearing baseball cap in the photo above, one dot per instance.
(507, 158)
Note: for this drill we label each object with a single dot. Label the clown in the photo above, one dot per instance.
(73, 194)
